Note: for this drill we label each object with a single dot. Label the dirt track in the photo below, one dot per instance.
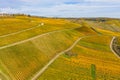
(53, 59)
(23, 41)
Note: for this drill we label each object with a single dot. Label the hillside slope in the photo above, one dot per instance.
(77, 62)
(27, 44)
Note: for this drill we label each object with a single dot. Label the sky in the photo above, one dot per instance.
(63, 8)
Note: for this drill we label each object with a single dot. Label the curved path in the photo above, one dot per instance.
(111, 47)
(53, 59)
(20, 42)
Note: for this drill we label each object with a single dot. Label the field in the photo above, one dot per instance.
(27, 44)
(37, 29)
(92, 50)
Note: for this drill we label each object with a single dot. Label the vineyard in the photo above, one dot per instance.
(28, 43)
(92, 50)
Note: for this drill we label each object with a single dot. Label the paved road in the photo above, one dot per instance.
(111, 47)
(53, 59)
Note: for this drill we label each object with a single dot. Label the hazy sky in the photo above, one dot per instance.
(63, 8)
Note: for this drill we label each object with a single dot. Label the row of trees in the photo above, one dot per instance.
(18, 14)
(6, 15)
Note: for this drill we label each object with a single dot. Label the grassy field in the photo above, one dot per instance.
(22, 61)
